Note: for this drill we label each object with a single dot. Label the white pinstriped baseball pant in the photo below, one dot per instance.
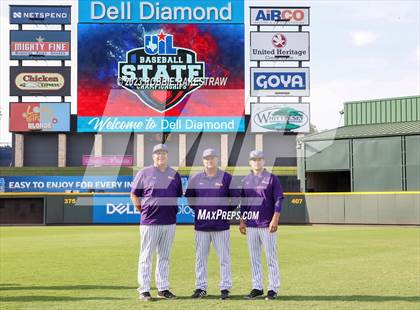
(221, 243)
(153, 238)
(258, 237)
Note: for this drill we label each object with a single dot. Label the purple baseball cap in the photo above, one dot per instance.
(210, 152)
(160, 147)
(255, 154)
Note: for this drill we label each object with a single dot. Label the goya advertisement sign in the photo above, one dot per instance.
(39, 116)
(39, 45)
(37, 14)
(286, 46)
(154, 77)
(287, 117)
(279, 16)
(40, 81)
(279, 82)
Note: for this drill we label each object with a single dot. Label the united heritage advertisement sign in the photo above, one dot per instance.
(39, 45)
(172, 68)
(274, 46)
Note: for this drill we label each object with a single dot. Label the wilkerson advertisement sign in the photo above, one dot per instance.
(291, 117)
(161, 66)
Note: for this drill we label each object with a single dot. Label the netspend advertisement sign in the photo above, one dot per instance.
(40, 14)
(279, 16)
(282, 117)
(119, 209)
(40, 81)
(39, 45)
(39, 116)
(286, 46)
(161, 66)
(279, 82)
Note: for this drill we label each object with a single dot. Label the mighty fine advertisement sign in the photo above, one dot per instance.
(274, 46)
(40, 81)
(39, 45)
(37, 14)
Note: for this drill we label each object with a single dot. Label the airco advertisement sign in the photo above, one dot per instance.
(279, 16)
(39, 45)
(282, 117)
(284, 45)
(39, 81)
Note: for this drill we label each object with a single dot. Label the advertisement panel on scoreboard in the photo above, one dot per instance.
(39, 116)
(39, 45)
(279, 16)
(40, 81)
(280, 82)
(279, 45)
(284, 117)
(164, 76)
(40, 14)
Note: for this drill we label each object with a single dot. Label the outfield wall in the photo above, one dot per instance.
(396, 208)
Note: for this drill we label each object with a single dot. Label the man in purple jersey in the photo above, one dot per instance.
(261, 192)
(209, 195)
(154, 192)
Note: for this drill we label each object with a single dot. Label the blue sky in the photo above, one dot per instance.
(359, 50)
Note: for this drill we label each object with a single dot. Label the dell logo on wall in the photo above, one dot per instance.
(120, 209)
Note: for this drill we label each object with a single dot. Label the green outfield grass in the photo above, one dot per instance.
(322, 267)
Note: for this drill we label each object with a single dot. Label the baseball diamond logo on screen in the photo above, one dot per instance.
(160, 74)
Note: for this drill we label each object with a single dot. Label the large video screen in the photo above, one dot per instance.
(160, 77)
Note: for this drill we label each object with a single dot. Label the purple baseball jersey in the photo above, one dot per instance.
(159, 192)
(263, 194)
(209, 194)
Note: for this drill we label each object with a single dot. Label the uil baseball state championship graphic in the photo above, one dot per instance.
(159, 67)
(161, 77)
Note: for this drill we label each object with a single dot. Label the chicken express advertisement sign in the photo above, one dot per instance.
(173, 66)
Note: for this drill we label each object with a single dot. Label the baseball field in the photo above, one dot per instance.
(322, 267)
